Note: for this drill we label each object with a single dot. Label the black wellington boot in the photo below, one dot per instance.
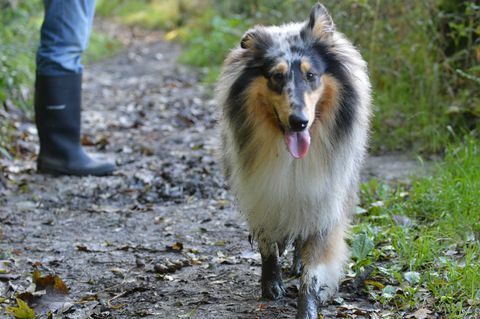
(57, 115)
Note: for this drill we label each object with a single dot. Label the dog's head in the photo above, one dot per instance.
(293, 87)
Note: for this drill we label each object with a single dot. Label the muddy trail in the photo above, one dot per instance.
(161, 238)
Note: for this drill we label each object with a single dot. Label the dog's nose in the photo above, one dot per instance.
(298, 122)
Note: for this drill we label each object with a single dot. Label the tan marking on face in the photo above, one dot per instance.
(280, 102)
(261, 102)
(264, 105)
(259, 107)
(311, 100)
(305, 66)
(328, 102)
(280, 67)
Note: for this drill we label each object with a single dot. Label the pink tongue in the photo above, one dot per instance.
(297, 143)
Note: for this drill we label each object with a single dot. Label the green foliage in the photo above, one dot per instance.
(17, 46)
(147, 13)
(17, 60)
(362, 245)
(23, 311)
(101, 46)
(422, 55)
(223, 33)
(426, 239)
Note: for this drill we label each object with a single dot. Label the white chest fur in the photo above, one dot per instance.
(286, 197)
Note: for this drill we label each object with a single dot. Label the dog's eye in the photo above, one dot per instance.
(310, 76)
(278, 77)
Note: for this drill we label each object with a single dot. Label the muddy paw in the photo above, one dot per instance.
(325, 294)
(307, 307)
(273, 289)
(296, 269)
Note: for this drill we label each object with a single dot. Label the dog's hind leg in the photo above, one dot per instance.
(272, 284)
(323, 257)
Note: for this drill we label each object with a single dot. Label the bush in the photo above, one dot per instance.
(18, 41)
(426, 238)
(17, 47)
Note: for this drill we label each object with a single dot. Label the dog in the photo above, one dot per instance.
(296, 107)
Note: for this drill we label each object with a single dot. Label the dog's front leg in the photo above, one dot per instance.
(323, 257)
(272, 284)
(296, 269)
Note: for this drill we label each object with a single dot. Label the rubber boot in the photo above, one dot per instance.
(57, 115)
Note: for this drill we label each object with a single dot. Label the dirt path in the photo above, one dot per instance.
(160, 238)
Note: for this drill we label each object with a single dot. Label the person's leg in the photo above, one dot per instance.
(64, 37)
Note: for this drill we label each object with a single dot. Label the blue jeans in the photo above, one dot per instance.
(64, 36)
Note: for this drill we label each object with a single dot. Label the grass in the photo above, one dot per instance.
(164, 14)
(424, 240)
(101, 46)
(222, 33)
(17, 63)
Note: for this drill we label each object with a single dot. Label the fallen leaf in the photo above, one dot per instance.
(49, 282)
(89, 297)
(223, 202)
(50, 294)
(374, 283)
(145, 176)
(421, 313)
(171, 266)
(83, 248)
(23, 311)
(161, 269)
(177, 247)
(119, 272)
(220, 243)
(87, 140)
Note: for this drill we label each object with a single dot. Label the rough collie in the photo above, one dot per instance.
(295, 116)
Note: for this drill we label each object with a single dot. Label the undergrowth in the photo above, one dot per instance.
(423, 241)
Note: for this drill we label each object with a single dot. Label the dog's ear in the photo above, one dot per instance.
(320, 23)
(247, 40)
(256, 39)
